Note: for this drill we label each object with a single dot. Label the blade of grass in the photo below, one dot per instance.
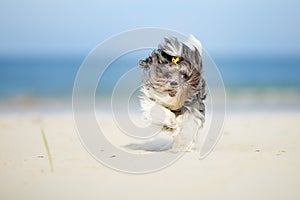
(47, 149)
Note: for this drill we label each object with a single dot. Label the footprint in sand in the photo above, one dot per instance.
(280, 152)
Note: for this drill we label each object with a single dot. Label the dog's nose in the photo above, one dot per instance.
(173, 83)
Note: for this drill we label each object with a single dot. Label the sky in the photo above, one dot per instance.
(76, 27)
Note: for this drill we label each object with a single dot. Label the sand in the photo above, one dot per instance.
(257, 157)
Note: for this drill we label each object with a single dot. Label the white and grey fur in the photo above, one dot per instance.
(177, 90)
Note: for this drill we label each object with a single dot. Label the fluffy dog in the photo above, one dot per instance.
(173, 90)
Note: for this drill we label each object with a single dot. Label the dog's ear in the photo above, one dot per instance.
(195, 51)
(193, 43)
(143, 64)
(151, 60)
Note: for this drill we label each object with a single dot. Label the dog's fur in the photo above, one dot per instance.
(174, 83)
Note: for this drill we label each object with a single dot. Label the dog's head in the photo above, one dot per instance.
(173, 72)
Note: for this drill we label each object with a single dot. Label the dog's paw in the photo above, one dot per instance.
(180, 145)
(176, 149)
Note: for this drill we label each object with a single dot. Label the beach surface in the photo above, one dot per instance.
(257, 157)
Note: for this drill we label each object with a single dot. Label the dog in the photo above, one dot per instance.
(173, 90)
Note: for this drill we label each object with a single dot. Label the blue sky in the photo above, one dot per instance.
(32, 26)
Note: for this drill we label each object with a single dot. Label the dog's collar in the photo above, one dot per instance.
(177, 112)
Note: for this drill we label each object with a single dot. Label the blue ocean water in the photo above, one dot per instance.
(261, 71)
(53, 76)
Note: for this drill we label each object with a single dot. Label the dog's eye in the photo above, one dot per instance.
(185, 76)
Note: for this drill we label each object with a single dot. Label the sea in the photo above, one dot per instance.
(250, 80)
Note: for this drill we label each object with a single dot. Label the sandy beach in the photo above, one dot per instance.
(241, 58)
(257, 157)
